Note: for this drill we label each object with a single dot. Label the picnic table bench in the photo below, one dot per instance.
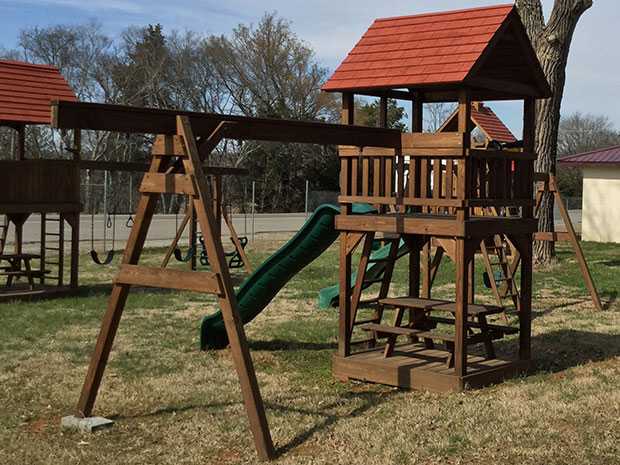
(423, 324)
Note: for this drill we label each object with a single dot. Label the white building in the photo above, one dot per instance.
(601, 193)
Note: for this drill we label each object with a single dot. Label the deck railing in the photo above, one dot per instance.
(436, 174)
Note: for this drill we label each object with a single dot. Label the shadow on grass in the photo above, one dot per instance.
(369, 400)
(326, 412)
(567, 348)
(281, 344)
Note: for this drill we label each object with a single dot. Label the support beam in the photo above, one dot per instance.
(119, 118)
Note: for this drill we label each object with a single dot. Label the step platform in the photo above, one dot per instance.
(413, 366)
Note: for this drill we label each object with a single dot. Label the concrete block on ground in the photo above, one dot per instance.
(87, 425)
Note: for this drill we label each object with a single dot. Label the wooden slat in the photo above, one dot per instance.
(135, 275)
(154, 183)
(440, 140)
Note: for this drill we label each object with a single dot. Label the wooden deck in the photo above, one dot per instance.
(436, 225)
(412, 366)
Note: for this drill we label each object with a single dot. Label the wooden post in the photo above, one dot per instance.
(193, 237)
(383, 112)
(344, 297)
(460, 315)
(347, 115)
(21, 143)
(74, 222)
(572, 236)
(42, 249)
(525, 310)
(464, 115)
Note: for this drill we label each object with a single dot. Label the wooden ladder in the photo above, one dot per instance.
(364, 281)
(52, 248)
(500, 270)
(176, 168)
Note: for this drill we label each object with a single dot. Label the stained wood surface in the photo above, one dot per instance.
(119, 118)
(203, 281)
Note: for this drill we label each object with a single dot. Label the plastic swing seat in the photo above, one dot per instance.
(487, 281)
(108, 259)
(235, 259)
(178, 255)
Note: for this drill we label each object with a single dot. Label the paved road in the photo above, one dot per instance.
(164, 226)
(266, 226)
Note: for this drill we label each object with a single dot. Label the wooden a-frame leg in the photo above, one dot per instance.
(116, 304)
(227, 300)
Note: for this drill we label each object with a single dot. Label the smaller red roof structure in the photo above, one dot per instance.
(486, 120)
(609, 156)
(26, 91)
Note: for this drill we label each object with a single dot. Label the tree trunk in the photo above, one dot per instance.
(552, 43)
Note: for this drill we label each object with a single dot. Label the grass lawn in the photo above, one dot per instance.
(175, 405)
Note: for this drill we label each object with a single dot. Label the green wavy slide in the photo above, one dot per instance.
(328, 296)
(255, 293)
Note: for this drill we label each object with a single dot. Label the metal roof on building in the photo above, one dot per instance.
(26, 91)
(607, 156)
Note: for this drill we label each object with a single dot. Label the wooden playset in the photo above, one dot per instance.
(427, 195)
(47, 189)
(433, 190)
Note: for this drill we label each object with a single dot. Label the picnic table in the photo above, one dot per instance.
(14, 269)
(424, 321)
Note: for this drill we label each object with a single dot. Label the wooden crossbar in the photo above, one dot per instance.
(203, 281)
(159, 183)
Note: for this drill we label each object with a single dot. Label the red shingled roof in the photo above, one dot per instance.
(607, 157)
(486, 119)
(26, 91)
(421, 49)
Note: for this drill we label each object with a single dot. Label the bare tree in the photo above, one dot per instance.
(435, 114)
(551, 40)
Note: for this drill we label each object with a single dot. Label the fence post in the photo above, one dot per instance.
(307, 190)
(253, 206)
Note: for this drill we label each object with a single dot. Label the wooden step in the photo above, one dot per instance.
(387, 330)
(474, 324)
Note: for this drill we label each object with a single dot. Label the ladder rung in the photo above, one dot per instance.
(363, 341)
(373, 281)
(363, 322)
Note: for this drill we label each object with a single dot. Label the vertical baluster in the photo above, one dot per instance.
(400, 186)
(344, 176)
(449, 175)
(376, 177)
(424, 181)
(437, 181)
(354, 182)
(389, 176)
(365, 176)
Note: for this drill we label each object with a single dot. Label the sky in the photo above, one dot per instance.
(332, 28)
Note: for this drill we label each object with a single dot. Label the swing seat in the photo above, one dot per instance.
(178, 255)
(487, 281)
(108, 259)
(235, 259)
